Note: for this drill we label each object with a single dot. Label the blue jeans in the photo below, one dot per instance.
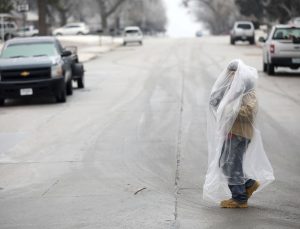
(231, 162)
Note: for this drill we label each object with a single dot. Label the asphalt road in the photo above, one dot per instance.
(130, 150)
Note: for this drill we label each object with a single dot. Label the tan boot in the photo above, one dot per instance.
(232, 204)
(252, 189)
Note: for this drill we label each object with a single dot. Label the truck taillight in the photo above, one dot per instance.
(272, 48)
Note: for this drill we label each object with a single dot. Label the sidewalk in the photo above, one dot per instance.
(89, 46)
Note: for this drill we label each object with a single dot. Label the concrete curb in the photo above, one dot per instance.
(94, 55)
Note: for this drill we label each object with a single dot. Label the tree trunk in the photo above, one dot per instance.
(104, 25)
(63, 17)
(105, 13)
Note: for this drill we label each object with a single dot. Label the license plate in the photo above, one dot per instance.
(296, 60)
(26, 91)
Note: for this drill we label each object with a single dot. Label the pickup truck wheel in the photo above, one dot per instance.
(2, 101)
(69, 87)
(61, 97)
(265, 66)
(270, 69)
(80, 82)
(232, 41)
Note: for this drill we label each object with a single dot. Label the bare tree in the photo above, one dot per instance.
(217, 15)
(106, 9)
(64, 8)
(6, 6)
(150, 15)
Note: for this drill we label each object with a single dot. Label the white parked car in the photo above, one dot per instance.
(72, 29)
(295, 21)
(281, 48)
(28, 31)
(132, 34)
(242, 31)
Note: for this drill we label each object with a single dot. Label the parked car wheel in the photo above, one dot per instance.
(124, 43)
(8, 36)
(80, 33)
(252, 40)
(270, 69)
(58, 34)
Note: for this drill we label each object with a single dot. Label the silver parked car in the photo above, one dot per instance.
(281, 48)
(132, 34)
(242, 31)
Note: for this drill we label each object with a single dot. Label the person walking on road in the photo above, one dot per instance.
(237, 163)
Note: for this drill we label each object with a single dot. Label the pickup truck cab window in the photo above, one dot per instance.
(286, 33)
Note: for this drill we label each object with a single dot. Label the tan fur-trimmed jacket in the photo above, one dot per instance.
(243, 125)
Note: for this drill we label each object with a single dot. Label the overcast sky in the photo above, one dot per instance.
(181, 24)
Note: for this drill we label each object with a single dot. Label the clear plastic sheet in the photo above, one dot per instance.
(235, 147)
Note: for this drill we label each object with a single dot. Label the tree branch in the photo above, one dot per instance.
(113, 8)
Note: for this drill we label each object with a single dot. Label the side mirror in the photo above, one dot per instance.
(261, 39)
(66, 53)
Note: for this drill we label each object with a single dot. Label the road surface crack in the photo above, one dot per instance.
(51, 186)
(179, 147)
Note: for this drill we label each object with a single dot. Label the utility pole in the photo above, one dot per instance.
(23, 8)
(42, 17)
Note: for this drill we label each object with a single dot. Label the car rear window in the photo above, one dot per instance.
(244, 26)
(286, 34)
(131, 31)
(29, 50)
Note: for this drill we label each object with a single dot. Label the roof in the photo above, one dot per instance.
(241, 22)
(6, 15)
(287, 26)
(132, 28)
(21, 40)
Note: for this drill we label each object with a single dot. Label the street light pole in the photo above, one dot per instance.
(2, 28)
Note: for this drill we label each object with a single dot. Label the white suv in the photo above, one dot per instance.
(8, 30)
(242, 31)
(281, 48)
(72, 29)
(132, 35)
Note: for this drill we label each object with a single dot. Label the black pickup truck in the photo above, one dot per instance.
(38, 67)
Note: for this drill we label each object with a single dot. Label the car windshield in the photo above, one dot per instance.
(244, 26)
(286, 34)
(29, 50)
